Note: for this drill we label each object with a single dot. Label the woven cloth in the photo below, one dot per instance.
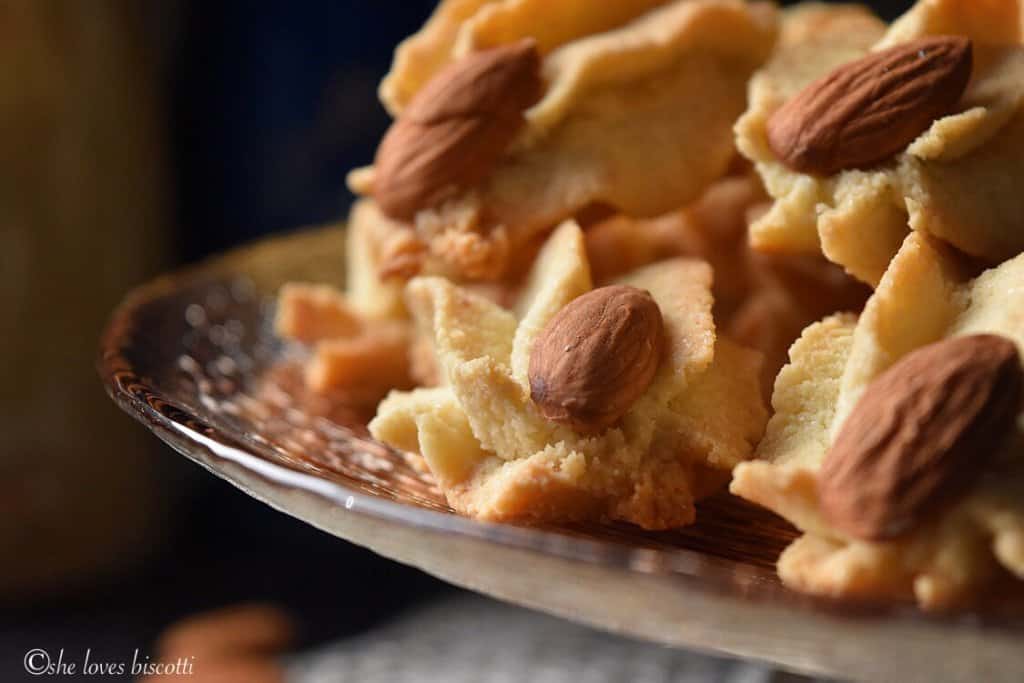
(469, 639)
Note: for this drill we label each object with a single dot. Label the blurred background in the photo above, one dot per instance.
(134, 137)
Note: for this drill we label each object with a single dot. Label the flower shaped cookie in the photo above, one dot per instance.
(695, 415)
(763, 301)
(955, 179)
(896, 445)
(514, 115)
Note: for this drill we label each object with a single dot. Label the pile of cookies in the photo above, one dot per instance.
(600, 239)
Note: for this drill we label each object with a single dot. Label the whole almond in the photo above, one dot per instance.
(921, 435)
(456, 128)
(866, 111)
(596, 356)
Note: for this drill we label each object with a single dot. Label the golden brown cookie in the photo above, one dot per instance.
(636, 111)
(360, 337)
(950, 550)
(495, 454)
(762, 301)
(952, 180)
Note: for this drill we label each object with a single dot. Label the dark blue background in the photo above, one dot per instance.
(273, 102)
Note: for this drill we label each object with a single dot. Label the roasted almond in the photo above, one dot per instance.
(921, 435)
(456, 128)
(596, 356)
(868, 110)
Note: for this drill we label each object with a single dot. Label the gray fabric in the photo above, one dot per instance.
(469, 639)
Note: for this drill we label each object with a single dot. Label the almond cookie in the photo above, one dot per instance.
(897, 444)
(514, 115)
(863, 133)
(762, 301)
(578, 403)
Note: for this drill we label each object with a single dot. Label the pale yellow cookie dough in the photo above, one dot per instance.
(638, 111)
(497, 458)
(959, 181)
(926, 295)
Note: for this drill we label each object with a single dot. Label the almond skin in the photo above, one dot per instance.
(596, 356)
(921, 435)
(456, 128)
(866, 111)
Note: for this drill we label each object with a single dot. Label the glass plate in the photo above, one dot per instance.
(193, 357)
